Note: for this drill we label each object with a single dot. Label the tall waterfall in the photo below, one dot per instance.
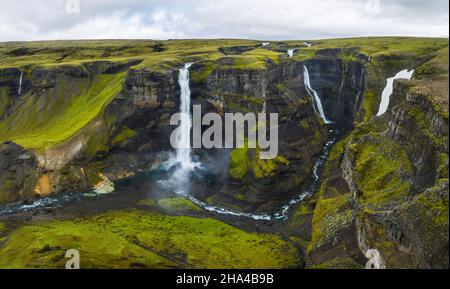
(316, 97)
(389, 89)
(184, 138)
(20, 83)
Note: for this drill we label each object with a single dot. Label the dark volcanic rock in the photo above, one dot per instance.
(17, 172)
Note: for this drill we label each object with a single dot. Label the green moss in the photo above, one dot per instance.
(266, 168)
(92, 171)
(304, 124)
(432, 209)
(238, 166)
(127, 239)
(339, 148)
(330, 216)
(248, 63)
(338, 263)
(124, 135)
(200, 75)
(264, 54)
(438, 65)
(70, 110)
(379, 177)
(379, 170)
(98, 138)
(44, 246)
(243, 159)
(50, 120)
(5, 99)
(423, 123)
(151, 203)
(369, 103)
(241, 197)
(304, 54)
(178, 204)
(443, 166)
(378, 47)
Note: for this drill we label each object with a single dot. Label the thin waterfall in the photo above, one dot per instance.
(389, 89)
(20, 83)
(361, 89)
(316, 97)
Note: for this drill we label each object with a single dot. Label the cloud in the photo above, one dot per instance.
(257, 19)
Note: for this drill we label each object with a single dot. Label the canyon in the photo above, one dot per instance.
(85, 147)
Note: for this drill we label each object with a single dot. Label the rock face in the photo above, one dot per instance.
(393, 170)
(17, 172)
(412, 155)
(132, 133)
(339, 83)
(384, 194)
(256, 185)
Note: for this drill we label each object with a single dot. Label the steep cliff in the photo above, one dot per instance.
(85, 121)
(260, 185)
(78, 115)
(395, 195)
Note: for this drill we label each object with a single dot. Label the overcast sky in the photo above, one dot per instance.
(255, 19)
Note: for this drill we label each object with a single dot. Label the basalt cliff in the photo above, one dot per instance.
(93, 116)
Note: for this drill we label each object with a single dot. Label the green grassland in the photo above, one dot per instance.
(51, 53)
(38, 125)
(46, 121)
(138, 239)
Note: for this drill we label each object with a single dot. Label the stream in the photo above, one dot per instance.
(175, 174)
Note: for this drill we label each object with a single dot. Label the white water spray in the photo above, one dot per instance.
(389, 89)
(183, 158)
(291, 52)
(316, 97)
(184, 138)
(20, 83)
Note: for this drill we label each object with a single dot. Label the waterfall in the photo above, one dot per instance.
(389, 89)
(307, 44)
(291, 52)
(184, 138)
(316, 97)
(361, 88)
(20, 83)
(264, 44)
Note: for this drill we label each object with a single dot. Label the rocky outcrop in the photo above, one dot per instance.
(262, 186)
(411, 188)
(385, 191)
(17, 172)
(396, 171)
(132, 132)
(393, 172)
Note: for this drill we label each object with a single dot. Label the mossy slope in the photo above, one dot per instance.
(127, 239)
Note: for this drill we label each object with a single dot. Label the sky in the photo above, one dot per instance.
(22, 20)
